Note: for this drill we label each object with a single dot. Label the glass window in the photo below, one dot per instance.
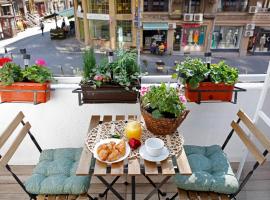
(193, 38)
(192, 6)
(233, 5)
(100, 29)
(156, 5)
(176, 6)
(124, 31)
(99, 7)
(123, 6)
(6, 10)
(261, 40)
(226, 37)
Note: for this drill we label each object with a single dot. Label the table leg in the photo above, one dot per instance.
(157, 188)
(154, 185)
(133, 188)
(173, 197)
(106, 191)
(110, 187)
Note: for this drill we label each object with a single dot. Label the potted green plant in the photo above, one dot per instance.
(25, 85)
(163, 108)
(204, 83)
(115, 82)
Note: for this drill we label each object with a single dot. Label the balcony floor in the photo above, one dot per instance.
(257, 188)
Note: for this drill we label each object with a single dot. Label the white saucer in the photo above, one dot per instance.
(164, 154)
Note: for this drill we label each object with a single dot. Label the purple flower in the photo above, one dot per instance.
(182, 99)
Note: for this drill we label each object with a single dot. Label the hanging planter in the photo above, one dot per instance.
(25, 92)
(25, 85)
(208, 83)
(110, 81)
(208, 91)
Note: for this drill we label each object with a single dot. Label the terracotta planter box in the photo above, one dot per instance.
(220, 92)
(25, 92)
(108, 94)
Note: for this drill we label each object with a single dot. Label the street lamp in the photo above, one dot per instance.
(7, 54)
(208, 59)
(23, 51)
(110, 56)
(26, 59)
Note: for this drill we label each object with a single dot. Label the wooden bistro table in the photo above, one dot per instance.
(132, 166)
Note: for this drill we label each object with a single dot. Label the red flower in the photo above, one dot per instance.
(4, 60)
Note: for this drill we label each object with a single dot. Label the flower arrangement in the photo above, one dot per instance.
(123, 71)
(4, 60)
(162, 101)
(11, 72)
(194, 70)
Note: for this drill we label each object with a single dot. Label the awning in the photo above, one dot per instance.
(155, 26)
(67, 13)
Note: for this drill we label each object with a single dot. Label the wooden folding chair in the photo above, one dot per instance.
(12, 149)
(259, 156)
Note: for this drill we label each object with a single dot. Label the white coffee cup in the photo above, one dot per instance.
(154, 146)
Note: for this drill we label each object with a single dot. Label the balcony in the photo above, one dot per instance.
(62, 123)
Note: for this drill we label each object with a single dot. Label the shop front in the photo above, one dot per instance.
(259, 43)
(154, 33)
(193, 37)
(226, 38)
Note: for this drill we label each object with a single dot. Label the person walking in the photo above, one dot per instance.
(42, 27)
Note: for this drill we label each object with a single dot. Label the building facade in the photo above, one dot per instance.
(184, 26)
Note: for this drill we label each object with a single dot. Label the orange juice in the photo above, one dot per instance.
(133, 129)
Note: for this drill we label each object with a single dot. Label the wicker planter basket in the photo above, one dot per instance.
(163, 126)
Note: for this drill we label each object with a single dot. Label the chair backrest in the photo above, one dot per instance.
(17, 141)
(263, 140)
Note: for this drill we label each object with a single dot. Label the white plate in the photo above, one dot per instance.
(164, 154)
(108, 141)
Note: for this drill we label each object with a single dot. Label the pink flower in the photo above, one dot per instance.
(144, 90)
(98, 77)
(41, 62)
(182, 99)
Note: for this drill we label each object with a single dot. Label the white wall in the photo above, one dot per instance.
(62, 123)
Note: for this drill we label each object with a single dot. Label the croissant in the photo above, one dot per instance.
(103, 154)
(121, 147)
(114, 155)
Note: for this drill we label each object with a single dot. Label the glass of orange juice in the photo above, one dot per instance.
(133, 129)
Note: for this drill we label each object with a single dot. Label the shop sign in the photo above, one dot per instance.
(98, 16)
(191, 25)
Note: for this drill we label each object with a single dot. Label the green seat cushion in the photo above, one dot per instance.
(55, 173)
(211, 171)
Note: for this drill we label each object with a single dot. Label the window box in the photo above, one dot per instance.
(25, 92)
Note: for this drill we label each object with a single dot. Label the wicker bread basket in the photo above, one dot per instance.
(163, 126)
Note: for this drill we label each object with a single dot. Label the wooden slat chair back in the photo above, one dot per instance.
(251, 146)
(4, 159)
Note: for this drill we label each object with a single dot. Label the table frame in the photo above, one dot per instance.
(89, 166)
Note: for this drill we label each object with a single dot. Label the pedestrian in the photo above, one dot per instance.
(42, 27)
(63, 24)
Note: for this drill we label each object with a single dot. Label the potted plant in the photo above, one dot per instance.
(162, 108)
(25, 85)
(204, 83)
(115, 82)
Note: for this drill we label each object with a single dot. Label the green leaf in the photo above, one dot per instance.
(156, 114)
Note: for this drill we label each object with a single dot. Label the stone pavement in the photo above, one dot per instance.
(63, 56)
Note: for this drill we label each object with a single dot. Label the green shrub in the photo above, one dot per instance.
(10, 73)
(37, 74)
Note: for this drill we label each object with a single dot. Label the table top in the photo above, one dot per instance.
(135, 166)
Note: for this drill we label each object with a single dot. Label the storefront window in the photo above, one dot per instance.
(156, 5)
(123, 31)
(260, 42)
(100, 29)
(123, 6)
(193, 37)
(177, 39)
(99, 7)
(154, 36)
(192, 6)
(6, 10)
(226, 37)
(233, 5)
(176, 6)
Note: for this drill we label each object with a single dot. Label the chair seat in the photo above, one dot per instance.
(211, 171)
(55, 173)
